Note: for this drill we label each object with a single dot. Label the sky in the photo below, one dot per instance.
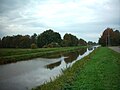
(86, 19)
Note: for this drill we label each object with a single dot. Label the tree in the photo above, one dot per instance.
(92, 43)
(69, 40)
(33, 46)
(34, 38)
(6, 42)
(82, 42)
(48, 37)
(25, 41)
(116, 38)
(17, 41)
(110, 38)
(0, 43)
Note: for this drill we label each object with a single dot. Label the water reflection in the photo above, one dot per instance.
(68, 58)
(18, 76)
(82, 51)
(90, 48)
(53, 65)
(71, 57)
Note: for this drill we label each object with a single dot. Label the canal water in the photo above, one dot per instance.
(25, 75)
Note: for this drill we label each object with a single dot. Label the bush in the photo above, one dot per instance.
(51, 45)
(33, 46)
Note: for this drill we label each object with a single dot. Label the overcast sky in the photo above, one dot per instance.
(84, 18)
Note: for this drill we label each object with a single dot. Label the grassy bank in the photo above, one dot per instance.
(14, 55)
(98, 71)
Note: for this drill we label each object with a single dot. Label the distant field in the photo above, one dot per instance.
(13, 55)
(98, 71)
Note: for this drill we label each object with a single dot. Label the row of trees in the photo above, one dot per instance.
(110, 38)
(18, 41)
(48, 38)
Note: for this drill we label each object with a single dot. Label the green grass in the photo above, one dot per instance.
(11, 52)
(14, 55)
(101, 73)
(98, 71)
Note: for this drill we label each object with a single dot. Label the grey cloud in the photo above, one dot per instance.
(35, 24)
(14, 12)
(8, 5)
(108, 12)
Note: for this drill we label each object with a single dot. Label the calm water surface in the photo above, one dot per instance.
(25, 75)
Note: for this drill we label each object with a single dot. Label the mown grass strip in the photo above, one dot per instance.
(11, 52)
(98, 71)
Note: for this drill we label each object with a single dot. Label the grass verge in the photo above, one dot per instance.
(100, 70)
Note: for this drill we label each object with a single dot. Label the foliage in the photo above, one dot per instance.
(52, 45)
(17, 41)
(25, 41)
(90, 73)
(69, 40)
(48, 37)
(33, 46)
(0, 43)
(34, 38)
(82, 42)
(110, 38)
(92, 43)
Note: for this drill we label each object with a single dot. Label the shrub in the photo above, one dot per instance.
(33, 46)
(52, 45)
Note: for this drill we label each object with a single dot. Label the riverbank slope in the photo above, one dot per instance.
(98, 71)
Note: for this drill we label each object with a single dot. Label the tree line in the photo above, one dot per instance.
(110, 38)
(48, 38)
(17, 41)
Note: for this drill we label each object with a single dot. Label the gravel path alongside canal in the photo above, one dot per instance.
(115, 48)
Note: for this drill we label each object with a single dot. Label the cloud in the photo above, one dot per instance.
(84, 18)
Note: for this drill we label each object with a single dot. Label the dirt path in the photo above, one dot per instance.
(115, 48)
